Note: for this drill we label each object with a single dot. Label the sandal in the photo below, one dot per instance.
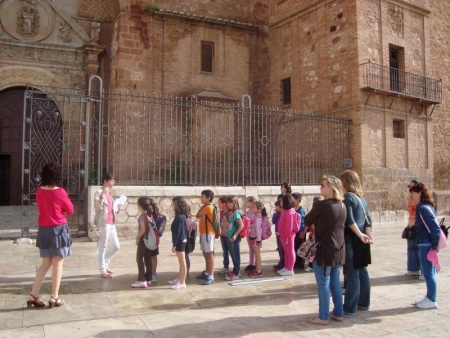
(36, 301)
(106, 275)
(109, 271)
(55, 302)
(317, 320)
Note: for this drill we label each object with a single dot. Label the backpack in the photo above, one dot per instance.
(297, 223)
(160, 222)
(191, 234)
(245, 226)
(215, 222)
(444, 228)
(151, 236)
(266, 228)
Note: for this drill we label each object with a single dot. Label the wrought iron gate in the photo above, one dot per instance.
(55, 128)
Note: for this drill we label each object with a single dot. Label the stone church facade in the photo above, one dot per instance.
(336, 57)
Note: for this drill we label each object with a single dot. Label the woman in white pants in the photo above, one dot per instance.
(105, 219)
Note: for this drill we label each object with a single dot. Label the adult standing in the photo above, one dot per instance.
(428, 232)
(53, 237)
(105, 217)
(357, 245)
(328, 217)
(412, 253)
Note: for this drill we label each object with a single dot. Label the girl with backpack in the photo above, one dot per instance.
(225, 227)
(287, 228)
(254, 237)
(249, 200)
(143, 254)
(160, 221)
(234, 240)
(179, 238)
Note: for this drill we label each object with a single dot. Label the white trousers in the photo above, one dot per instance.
(107, 234)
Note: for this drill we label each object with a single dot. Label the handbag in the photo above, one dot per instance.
(442, 239)
(409, 232)
(308, 249)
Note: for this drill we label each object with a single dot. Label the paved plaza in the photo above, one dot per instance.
(97, 307)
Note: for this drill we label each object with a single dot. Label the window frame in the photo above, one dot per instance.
(207, 66)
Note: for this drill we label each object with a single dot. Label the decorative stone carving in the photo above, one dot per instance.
(95, 30)
(64, 32)
(395, 20)
(30, 20)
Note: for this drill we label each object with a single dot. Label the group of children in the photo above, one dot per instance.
(289, 228)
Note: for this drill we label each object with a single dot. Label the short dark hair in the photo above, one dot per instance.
(208, 193)
(297, 196)
(51, 174)
(107, 177)
(288, 201)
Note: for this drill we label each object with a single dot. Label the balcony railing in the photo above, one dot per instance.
(393, 81)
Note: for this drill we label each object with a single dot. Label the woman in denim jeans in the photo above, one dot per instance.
(412, 253)
(328, 217)
(428, 232)
(357, 248)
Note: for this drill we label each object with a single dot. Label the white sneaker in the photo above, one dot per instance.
(224, 271)
(420, 300)
(139, 285)
(412, 273)
(178, 286)
(287, 272)
(308, 269)
(427, 304)
(280, 271)
(173, 281)
(421, 277)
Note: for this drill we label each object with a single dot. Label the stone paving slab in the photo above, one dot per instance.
(97, 307)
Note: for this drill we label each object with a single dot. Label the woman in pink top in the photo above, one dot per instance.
(288, 226)
(53, 237)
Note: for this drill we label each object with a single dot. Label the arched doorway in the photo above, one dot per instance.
(11, 122)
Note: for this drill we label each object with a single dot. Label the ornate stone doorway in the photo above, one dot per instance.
(11, 121)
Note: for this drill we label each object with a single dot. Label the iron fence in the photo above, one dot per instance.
(155, 140)
(396, 81)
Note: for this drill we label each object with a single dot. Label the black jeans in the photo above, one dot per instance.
(144, 262)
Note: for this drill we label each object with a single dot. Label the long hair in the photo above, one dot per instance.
(235, 202)
(287, 186)
(51, 175)
(155, 207)
(181, 207)
(144, 203)
(425, 193)
(351, 182)
(336, 184)
(260, 206)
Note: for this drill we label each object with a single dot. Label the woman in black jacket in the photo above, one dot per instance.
(328, 217)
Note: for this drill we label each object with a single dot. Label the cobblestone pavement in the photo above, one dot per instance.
(97, 307)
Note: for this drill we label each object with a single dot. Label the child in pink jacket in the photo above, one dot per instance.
(288, 226)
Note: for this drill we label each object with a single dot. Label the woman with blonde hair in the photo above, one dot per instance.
(328, 217)
(358, 227)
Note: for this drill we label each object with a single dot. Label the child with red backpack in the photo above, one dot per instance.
(255, 236)
(234, 238)
(143, 254)
(160, 221)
